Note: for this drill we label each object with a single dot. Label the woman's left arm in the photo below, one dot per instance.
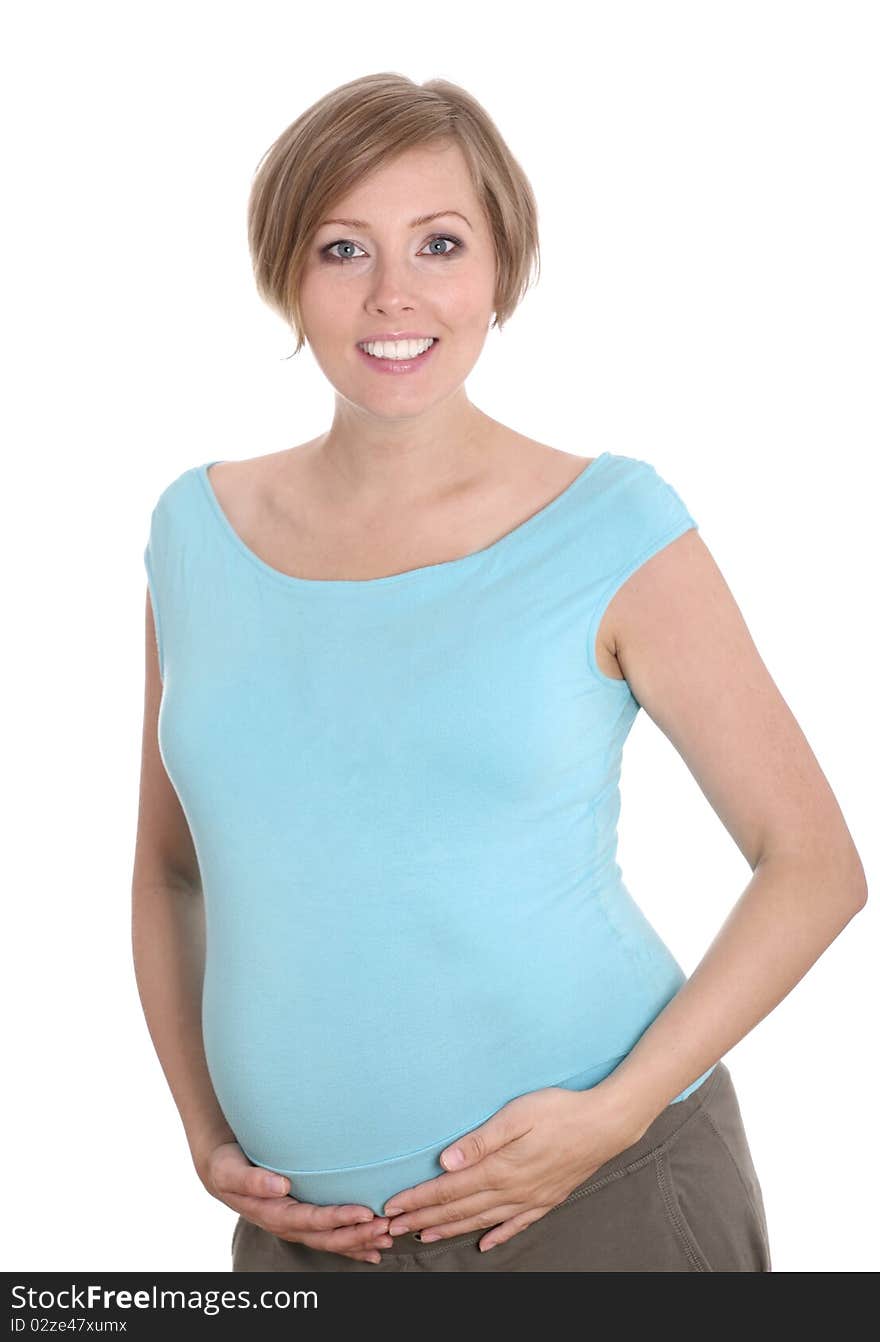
(684, 647)
(690, 662)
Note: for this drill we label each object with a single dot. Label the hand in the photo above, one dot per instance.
(352, 1230)
(523, 1161)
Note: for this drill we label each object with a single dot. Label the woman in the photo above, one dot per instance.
(390, 673)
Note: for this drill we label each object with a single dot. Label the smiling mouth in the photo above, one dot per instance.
(398, 351)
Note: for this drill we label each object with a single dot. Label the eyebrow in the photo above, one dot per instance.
(414, 223)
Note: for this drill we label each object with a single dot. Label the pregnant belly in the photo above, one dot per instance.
(354, 1096)
(308, 1124)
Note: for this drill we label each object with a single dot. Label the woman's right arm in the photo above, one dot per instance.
(168, 933)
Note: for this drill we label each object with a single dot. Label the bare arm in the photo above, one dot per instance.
(684, 647)
(168, 933)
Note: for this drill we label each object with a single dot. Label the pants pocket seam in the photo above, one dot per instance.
(675, 1214)
(594, 1184)
(751, 1201)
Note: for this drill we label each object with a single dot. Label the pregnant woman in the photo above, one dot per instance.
(410, 1013)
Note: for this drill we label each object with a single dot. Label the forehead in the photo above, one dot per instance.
(414, 188)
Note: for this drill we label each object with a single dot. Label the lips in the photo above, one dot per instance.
(397, 366)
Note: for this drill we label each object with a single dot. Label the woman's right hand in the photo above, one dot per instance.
(352, 1230)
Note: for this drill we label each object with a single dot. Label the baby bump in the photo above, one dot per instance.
(353, 1093)
(348, 1134)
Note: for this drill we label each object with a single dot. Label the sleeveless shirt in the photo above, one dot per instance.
(403, 794)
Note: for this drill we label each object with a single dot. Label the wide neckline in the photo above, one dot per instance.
(407, 575)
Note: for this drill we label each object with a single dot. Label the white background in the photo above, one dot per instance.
(706, 176)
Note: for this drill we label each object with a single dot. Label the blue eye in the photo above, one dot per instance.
(346, 242)
(328, 251)
(442, 237)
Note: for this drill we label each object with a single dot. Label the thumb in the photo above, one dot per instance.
(474, 1145)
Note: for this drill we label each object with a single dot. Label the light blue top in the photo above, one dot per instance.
(403, 795)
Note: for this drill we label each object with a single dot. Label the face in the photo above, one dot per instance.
(390, 274)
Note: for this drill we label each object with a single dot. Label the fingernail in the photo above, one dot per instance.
(277, 1184)
(392, 1209)
(454, 1158)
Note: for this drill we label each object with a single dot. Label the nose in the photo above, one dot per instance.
(392, 289)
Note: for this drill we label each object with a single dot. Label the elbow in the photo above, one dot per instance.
(850, 890)
(861, 893)
(839, 871)
(856, 882)
(858, 879)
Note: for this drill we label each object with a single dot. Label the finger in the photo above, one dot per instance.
(477, 1204)
(483, 1219)
(359, 1252)
(262, 1183)
(311, 1216)
(317, 1224)
(354, 1239)
(371, 1257)
(500, 1234)
(357, 1236)
(317, 1216)
(438, 1192)
(287, 1217)
(357, 1239)
(231, 1172)
(253, 1181)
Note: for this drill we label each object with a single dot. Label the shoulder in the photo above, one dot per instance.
(638, 476)
(175, 488)
(645, 534)
(642, 503)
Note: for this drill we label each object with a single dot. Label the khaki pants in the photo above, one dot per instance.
(683, 1198)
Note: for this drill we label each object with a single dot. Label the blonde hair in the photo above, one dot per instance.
(357, 128)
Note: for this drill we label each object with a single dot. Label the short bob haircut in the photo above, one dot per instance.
(360, 127)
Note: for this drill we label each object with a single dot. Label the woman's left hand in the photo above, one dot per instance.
(523, 1161)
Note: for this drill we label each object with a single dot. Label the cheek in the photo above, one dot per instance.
(466, 311)
(469, 291)
(323, 305)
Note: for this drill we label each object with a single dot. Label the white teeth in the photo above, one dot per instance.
(396, 349)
